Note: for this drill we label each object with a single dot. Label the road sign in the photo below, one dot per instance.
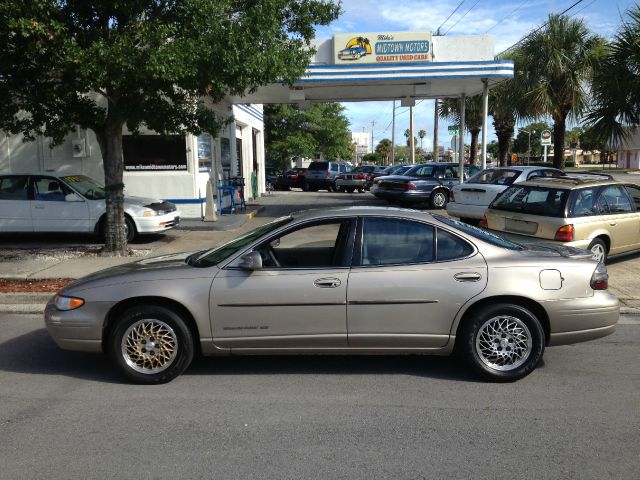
(454, 129)
(545, 137)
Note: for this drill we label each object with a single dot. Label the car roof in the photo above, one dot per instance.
(522, 168)
(334, 212)
(572, 181)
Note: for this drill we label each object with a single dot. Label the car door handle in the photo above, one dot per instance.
(613, 224)
(327, 283)
(467, 276)
(39, 207)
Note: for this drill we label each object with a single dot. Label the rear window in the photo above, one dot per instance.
(544, 201)
(493, 176)
(319, 166)
(422, 171)
(478, 233)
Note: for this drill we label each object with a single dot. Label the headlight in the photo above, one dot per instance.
(68, 303)
(151, 213)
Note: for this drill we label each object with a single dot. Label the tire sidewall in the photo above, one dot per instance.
(185, 343)
(435, 195)
(597, 241)
(470, 331)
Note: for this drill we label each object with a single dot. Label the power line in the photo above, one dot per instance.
(450, 15)
(536, 29)
(504, 18)
(472, 7)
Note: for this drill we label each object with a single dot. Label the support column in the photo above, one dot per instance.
(485, 113)
(233, 170)
(393, 135)
(435, 130)
(463, 102)
(412, 154)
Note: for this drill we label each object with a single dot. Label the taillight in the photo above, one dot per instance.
(328, 175)
(410, 186)
(360, 176)
(565, 233)
(293, 177)
(600, 277)
(483, 223)
(342, 177)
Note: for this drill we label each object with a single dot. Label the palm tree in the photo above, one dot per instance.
(421, 134)
(616, 84)
(559, 59)
(450, 109)
(384, 149)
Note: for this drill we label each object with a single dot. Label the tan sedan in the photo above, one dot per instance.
(350, 280)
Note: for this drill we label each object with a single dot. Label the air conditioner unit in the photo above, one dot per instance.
(79, 147)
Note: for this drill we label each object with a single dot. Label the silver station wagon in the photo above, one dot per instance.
(348, 280)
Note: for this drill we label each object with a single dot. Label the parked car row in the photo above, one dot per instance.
(428, 183)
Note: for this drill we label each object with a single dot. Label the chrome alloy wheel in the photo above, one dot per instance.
(439, 200)
(598, 252)
(504, 343)
(149, 346)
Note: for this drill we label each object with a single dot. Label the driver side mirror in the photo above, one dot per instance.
(72, 197)
(251, 261)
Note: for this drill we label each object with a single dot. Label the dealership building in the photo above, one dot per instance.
(381, 66)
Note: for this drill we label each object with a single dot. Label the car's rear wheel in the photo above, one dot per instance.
(439, 199)
(349, 190)
(503, 342)
(151, 344)
(599, 250)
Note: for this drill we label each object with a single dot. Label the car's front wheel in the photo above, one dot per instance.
(503, 342)
(151, 344)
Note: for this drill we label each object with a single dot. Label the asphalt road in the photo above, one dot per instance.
(68, 415)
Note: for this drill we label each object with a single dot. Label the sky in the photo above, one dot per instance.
(506, 20)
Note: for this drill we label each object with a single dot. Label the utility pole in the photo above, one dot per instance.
(393, 135)
(373, 122)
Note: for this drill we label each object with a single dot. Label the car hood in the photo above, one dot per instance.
(171, 266)
(140, 201)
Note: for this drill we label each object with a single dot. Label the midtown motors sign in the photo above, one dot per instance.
(382, 47)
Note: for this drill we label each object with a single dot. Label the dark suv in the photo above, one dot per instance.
(322, 175)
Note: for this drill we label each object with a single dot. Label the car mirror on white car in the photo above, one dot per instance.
(72, 197)
(251, 261)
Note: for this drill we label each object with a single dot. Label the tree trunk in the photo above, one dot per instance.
(504, 131)
(559, 129)
(110, 141)
(473, 149)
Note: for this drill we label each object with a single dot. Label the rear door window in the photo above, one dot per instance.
(14, 187)
(451, 247)
(393, 241)
(634, 193)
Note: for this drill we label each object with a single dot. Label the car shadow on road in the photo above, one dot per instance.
(36, 353)
(443, 368)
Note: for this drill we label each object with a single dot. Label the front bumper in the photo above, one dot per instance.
(80, 329)
(581, 319)
(157, 224)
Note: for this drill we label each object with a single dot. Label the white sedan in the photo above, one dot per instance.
(74, 203)
(470, 200)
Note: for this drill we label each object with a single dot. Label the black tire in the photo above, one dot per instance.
(331, 187)
(599, 249)
(130, 229)
(439, 199)
(503, 361)
(361, 190)
(349, 190)
(178, 342)
(305, 187)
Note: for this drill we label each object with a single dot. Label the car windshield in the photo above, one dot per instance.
(544, 201)
(218, 254)
(479, 233)
(85, 186)
(495, 176)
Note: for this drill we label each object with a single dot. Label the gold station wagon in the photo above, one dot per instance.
(586, 210)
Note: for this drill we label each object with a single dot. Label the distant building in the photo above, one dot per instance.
(361, 141)
(629, 151)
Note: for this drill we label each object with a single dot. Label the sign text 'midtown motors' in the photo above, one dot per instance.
(382, 47)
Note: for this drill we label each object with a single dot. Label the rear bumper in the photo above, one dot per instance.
(582, 319)
(350, 183)
(463, 210)
(319, 182)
